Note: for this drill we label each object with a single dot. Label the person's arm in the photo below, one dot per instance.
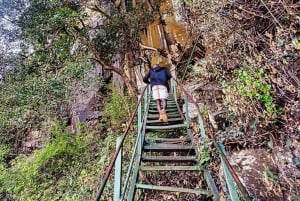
(169, 75)
(146, 78)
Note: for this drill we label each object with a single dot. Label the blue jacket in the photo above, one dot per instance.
(158, 76)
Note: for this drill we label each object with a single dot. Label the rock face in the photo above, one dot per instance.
(10, 43)
(253, 167)
(85, 106)
(205, 94)
(261, 171)
(192, 109)
(34, 140)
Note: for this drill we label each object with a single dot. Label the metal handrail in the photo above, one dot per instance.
(189, 60)
(114, 157)
(140, 141)
(137, 143)
(202, 125)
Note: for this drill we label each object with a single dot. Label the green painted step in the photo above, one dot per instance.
(152, 107)
(168, 110)
(167, 147)
(170, 115)
(171, 159)
(152, 101)
(169, 168)
(169, 120)
(173, 189)
(168, 107)
(168, 102)
(155, 108)
(152, 139)
(162, 127)
(170, 97)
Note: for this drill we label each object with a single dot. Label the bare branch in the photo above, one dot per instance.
(149, 48)
(271, 13)
(51, 39)
(96, 8)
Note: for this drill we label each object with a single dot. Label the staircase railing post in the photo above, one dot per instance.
(139, 114)
(201, 125)
(146, 94)
(228, 177)
(140, 119)
(118, 172)
(186, 103)
(173, 87)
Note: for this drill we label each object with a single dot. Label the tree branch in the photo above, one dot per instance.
(50, 40)
(96, 8)
(271, 13)
(149, 48)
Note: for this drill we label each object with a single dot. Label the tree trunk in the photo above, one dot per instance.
(131, 85)
(129, 66)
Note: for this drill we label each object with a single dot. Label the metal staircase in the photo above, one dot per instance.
(166, 147)
(168, 153)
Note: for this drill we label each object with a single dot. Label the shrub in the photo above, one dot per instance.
(59, 171)
(249, 94)
(119, 108)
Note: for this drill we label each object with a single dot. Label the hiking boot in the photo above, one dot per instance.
(164, 116)
(160, 117)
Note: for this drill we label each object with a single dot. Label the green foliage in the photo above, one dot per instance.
(157, 134)
(27, 171)
(107, 41)
(270, 177)
(204, 110)
(28, 99)
(60, 31)
(48, 27)
(248, 92)
(4, 152)
(43, 81)
(47, 16)
(65, 169)
(204, 154)
(57, 25)
(253, 85)
(119, 108)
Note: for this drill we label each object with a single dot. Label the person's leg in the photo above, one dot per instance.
(163, 104)
(164, 111)
(163, 93)
(158, 105)
(156, 97)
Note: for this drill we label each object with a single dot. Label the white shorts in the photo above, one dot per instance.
(159, 92)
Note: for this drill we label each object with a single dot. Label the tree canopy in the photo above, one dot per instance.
(57, 29)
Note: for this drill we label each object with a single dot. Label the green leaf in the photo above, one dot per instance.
(270, 144)
(296, 161)
(296, 43)
(288, 144)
